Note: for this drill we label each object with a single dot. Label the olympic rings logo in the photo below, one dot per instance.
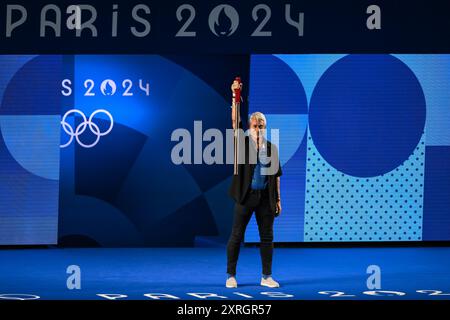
(75, 133)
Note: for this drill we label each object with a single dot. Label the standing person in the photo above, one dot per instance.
(255, 188)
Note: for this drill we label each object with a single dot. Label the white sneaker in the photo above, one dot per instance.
(269, 282)
(231, 282)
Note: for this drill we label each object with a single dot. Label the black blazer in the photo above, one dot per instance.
(241, 182)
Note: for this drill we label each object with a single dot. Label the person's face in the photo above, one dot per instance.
(257, 128)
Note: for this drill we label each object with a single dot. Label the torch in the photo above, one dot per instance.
(236, 88)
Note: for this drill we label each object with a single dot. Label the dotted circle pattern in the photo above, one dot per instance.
(340, 207)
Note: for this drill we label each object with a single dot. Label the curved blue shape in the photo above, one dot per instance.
(367, 114)
(83, 215)
(277, 91)
(433, 72)
(275, 87)
(309, 67)
(9, 65)
(291, 133)
(35, 88)
(33, 141)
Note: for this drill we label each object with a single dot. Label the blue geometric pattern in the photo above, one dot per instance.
(128, 181)
(276, 90)
(364, 143)
(365, 157)
(360, 118)
(29, 149)
(340, 207)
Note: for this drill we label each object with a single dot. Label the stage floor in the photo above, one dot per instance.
(188, 273)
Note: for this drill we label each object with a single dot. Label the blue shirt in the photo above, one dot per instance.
(259, 179)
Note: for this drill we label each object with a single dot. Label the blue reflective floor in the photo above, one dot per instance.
(188, 273)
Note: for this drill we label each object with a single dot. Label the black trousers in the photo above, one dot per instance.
(258, 202)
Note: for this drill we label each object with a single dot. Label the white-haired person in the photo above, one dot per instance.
(255, 189)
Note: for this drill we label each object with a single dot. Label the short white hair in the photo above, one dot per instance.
(258, 116)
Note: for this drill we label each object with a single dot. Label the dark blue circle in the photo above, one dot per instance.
(275, 87)
(367, 114)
